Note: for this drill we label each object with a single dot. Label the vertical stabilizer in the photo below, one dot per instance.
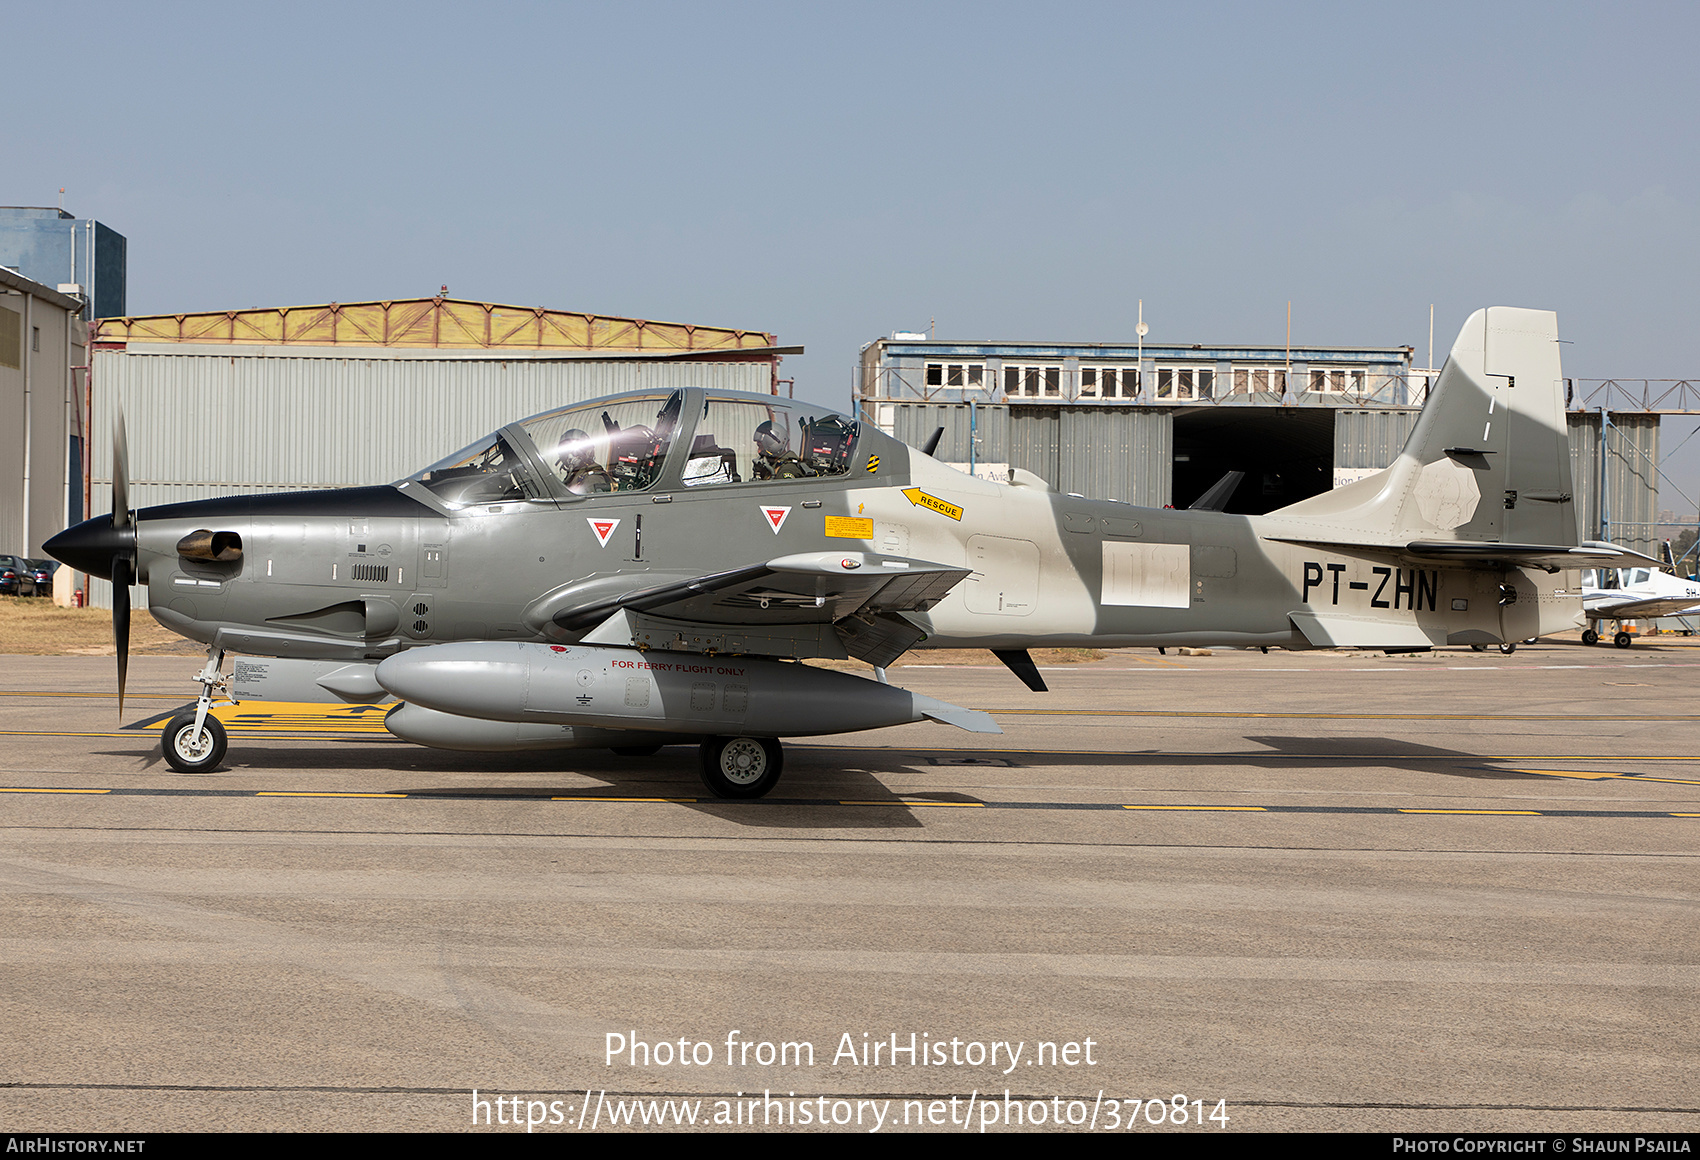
(1489, 457)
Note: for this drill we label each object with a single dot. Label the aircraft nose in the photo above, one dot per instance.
(92, 545)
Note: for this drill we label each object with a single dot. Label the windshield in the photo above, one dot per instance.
(488, 471)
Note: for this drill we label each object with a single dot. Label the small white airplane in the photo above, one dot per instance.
(1620, 594)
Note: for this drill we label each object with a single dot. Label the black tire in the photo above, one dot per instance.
(187, 759)
(741, 767)
(637, 750)
(1589, 636)
(1623, 640)
(1508, 647)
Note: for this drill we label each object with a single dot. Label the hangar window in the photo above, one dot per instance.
(1032, 382)
(1257, 380)
(1337, 380)
(1181, 383)
(1109, 382)
(941, 374)
(11, 327)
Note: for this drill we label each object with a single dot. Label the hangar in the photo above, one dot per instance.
(42, 337)
(1157, 424)
(359, 393)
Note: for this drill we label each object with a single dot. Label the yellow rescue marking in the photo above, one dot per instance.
(849, 528)
(873, 464)
(1204, 809)
(297, 717)
(920, 498)
(905, 802)
(1520, 813)
(5, 789)
(327, 793)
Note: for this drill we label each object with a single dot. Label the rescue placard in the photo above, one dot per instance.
(921, 499)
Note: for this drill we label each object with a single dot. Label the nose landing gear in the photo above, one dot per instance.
(194, 742)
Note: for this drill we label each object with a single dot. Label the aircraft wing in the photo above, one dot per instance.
(808, 588)
(1640, 609)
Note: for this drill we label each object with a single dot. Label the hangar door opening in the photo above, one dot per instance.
(1286, 454)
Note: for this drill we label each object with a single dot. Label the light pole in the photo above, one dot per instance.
(1141, 330)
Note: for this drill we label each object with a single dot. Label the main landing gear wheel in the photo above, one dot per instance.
(188, 753)
(1623, 640)
(1508, 647)
(741, 767)
(1589, 636)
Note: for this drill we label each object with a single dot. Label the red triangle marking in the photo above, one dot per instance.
(602, 529)
(776, 517)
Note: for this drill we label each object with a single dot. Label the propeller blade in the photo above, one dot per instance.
(120, 474)
(121, 622)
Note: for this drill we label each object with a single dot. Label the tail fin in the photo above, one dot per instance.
(1489, 457)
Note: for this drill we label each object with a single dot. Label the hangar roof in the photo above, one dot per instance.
(434, 323)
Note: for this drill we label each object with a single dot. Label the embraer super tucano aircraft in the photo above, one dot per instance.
(649, 569)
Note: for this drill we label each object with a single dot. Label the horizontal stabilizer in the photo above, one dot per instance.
(1552, 557)
(1491, 555)
(945, 713)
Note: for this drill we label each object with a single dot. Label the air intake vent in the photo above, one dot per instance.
(420, 626)
(370, 572)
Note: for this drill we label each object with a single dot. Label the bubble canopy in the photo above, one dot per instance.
(626, 443)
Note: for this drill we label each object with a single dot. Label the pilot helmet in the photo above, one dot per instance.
(575, 450)
(768, 441)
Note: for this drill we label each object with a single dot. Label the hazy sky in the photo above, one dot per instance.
(832, 173)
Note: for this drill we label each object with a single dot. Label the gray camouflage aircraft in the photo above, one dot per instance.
(648, 569)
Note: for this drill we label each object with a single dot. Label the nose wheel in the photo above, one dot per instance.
(741, 767)
(192, 750)
(1589, 636)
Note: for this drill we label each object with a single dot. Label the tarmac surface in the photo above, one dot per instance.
(1310, 891)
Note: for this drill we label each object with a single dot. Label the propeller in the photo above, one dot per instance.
(107, 548)
(123, 566)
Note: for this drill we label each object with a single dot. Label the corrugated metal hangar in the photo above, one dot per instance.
(1157, 425)
(352, 394)
(41, 344)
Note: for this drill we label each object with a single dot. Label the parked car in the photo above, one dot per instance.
(17, 578)
(44, 570)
